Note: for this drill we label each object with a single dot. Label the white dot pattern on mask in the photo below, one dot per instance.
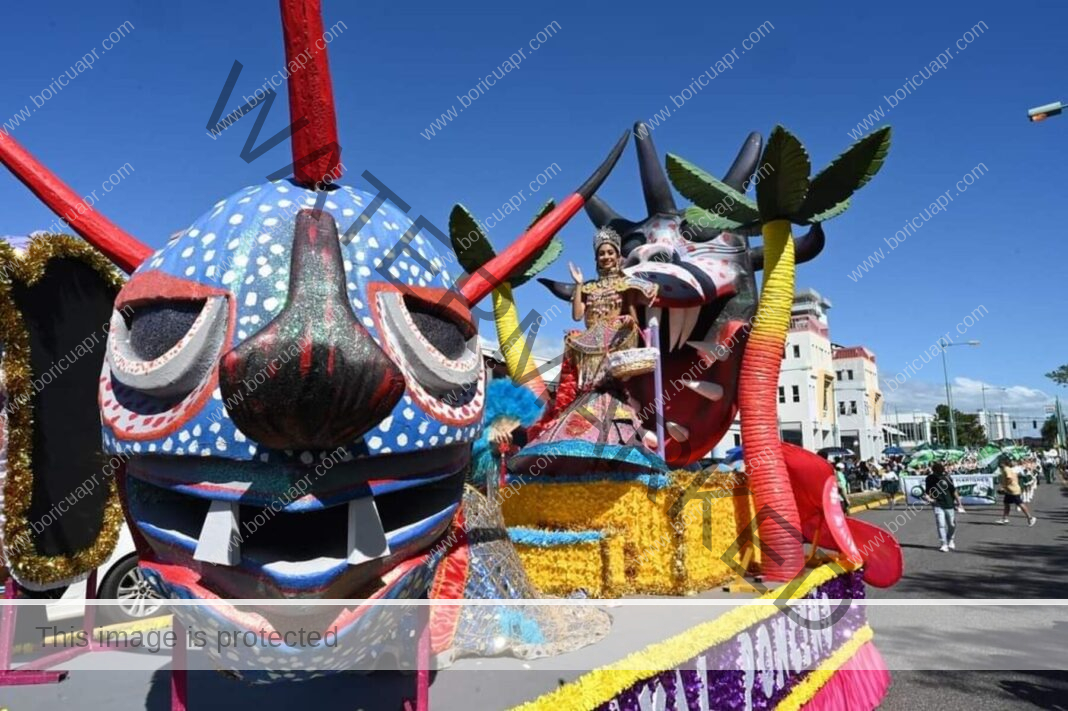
(242, 247)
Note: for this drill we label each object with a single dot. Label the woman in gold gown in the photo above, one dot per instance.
(595, 427)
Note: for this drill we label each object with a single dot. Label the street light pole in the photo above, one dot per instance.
(949, 400)
(1001, 425)
(1003, 413)
(949, 390)
(1061, 434)
(986, 415)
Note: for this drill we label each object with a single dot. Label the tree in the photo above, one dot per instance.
(1049, 432)
(1059, 376)
(969, 430)
(473, 250)
(789, 195)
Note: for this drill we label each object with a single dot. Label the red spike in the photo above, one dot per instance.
(316, 151)
(500, 268)
(126, 251)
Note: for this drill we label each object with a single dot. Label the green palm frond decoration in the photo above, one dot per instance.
(543, 258)
(542, 212)
(708, 220)
(469, 242)
(846, 174)
(781, 193)
(786, 192)
(473, 247)
(708, 192)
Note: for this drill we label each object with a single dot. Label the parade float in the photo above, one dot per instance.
(601, 501)
(292, 389)
(59, 516)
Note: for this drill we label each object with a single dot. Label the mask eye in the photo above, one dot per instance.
(166, 348)
(435, 338)
(432, 338)
(449, 333)
(156, 328)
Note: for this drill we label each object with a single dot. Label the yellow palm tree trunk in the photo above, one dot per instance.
(517, 357)
(783, 554)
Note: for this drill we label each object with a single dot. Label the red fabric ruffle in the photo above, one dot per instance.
(858, 685)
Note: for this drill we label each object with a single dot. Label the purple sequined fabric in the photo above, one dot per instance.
(719, 674)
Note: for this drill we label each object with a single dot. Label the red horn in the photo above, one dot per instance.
(500, 268)
(316, 151)
(126, 251)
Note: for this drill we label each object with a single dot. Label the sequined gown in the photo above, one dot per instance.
(479, 562)
(482, 564)
(598, 429)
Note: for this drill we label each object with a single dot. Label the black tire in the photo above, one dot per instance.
(126, 581)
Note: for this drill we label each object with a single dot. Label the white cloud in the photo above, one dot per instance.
(925, 395)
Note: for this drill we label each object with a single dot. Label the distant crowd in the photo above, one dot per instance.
(859, 476)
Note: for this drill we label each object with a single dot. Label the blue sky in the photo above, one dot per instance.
(820, 70)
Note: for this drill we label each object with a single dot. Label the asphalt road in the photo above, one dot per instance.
(1007, 644)
(942, 658)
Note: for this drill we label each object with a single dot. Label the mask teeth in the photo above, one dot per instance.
(710, 391)
(711, 349)
(682, 323)
(366, 536)
(220, 539)
(677, 432)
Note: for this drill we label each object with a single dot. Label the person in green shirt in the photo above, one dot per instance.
(941, 493)
(843, 485)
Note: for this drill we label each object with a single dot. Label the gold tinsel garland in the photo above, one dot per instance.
(28, 269)
(650, 546)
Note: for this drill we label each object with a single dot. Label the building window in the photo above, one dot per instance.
(841, 407)
(850, 374)
(796, 393)
(737, 440)
(852, 407)
(797, 351)
(838, 374)
(782, 395)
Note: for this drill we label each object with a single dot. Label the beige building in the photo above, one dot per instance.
(806, 380)
(859, 401)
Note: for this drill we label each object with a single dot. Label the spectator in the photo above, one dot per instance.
(843, 484)
(1028, 482)
(874, 475)
(1048, 467)
(851, 473)
(1010, 486)
(891, 485)
(941, 493)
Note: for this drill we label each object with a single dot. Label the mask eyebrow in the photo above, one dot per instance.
(444, 301)
(156, 286)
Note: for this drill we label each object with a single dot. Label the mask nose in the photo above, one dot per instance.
(313, 378)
